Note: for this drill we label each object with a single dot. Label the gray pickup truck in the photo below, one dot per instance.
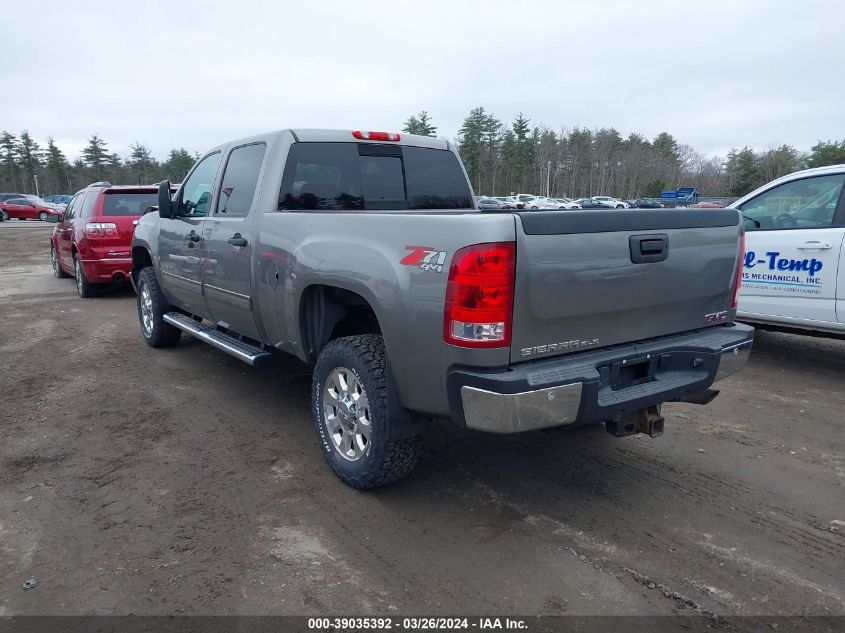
(363, 254)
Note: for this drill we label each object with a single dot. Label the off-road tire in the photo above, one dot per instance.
(57, 268)
(384, 461)
(162, 334)
(84, 288)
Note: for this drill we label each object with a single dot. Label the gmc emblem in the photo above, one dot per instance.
(716, 317)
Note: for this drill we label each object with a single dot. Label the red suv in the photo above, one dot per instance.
(93, 239)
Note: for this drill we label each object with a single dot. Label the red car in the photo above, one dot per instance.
(28, 209)
(93, 239)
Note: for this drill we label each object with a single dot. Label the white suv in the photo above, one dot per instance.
(612, 203)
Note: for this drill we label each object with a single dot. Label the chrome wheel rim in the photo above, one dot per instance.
(346, 414)
(42, 216)
(78, 270)
(145, 301)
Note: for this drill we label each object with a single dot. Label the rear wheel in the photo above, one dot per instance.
(84, 288)
(350, 395)
(42, 216)
(57, 269)
(152, 306)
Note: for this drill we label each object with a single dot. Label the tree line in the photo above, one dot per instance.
(501, 159)
(22, 159)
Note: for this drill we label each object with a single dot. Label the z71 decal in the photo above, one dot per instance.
(424, 258)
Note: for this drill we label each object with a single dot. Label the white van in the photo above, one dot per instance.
(794, 269)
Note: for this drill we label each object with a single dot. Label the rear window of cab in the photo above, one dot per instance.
(370, 176)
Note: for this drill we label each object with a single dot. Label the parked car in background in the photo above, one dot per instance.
(92, 242)
(566, 203)
(513, 201)
(491, 204)
(9, 196)
(794, 267)
(28, 209)
(645, 203)
(612, 203)
(591, 203)
(524, 199)
(58, 200)
(541, 202)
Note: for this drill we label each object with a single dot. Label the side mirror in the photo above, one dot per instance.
(150, 210)
(53, 219)
(165, 203)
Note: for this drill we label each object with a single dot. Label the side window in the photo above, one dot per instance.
(240, 179)
(72, 205)
(85, 208)
(196, 192)
(809, 203)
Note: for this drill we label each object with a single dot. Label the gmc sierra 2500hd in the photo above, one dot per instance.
(363, 253)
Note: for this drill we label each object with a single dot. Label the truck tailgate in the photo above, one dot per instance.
(590, 279)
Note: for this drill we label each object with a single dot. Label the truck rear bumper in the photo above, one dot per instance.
(598, 386)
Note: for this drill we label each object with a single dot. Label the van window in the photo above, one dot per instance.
(371, 176)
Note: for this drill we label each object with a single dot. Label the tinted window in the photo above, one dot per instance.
(382, 182)
(435, 180)
(129, 203)
(352, 177)
(72, 206)
(22, 202)
(801, 204)
(240, 179)
(86, 209)
(196, 191)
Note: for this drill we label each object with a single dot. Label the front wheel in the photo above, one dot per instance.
(42, 216)
(152, 306)
(620, 206)
(350, 396)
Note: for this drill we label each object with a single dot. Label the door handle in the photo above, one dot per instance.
(237, 240)
(814, 245)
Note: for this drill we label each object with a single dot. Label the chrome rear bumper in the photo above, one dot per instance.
(587, 398)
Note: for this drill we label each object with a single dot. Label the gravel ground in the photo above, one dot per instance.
(181, 481)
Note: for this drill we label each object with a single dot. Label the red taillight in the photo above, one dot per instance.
(375, 136)
(479, 296)
(739, 266)
(100, 229)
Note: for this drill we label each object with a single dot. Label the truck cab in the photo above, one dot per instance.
(794, 267)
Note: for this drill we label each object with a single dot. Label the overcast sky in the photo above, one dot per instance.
(716, 74)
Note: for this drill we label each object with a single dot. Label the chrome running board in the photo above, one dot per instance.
(243, 351)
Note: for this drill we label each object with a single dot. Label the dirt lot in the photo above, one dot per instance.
(176, 481)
